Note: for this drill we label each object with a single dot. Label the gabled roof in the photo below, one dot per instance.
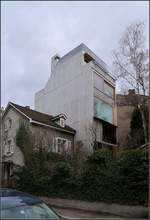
(35, 117)
(59, 116)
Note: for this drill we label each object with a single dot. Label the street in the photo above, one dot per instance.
(74, 213)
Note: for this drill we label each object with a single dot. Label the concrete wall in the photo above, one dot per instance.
(98, 129)
(70, 91)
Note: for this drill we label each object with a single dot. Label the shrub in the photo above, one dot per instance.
(136, 137)
(63, 170)
(101, 179)
(99, 158)
(133, 174)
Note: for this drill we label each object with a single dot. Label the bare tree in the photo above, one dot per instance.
(131, 66)
(92, 133)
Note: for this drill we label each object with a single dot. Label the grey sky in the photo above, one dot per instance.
(32, 32)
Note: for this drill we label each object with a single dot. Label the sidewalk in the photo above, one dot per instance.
(99, 207)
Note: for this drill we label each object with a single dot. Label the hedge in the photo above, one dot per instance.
(124, 181)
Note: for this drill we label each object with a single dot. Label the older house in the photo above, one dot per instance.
(81, 86)
(52, 130)
(126, 103)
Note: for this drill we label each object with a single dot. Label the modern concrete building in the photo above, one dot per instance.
(81, 86)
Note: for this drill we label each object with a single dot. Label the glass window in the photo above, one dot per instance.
(9, 146)
(105, 97)
(59, 145)
(108, 90)
(62, 122)
(103, 110)
(63, 144)
(98, 82)
(57, 121)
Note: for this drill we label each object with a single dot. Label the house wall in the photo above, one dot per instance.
(41, 132)
(125, 106)
(124, 114)
(46, 135)
(70, 91)
(17, 157)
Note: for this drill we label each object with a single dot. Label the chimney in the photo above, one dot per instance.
(28, 107)
(131, 92)
(2, 110)
(54, 61)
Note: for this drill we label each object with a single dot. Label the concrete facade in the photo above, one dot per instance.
(70, 90)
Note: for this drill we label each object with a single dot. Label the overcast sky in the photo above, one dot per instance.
(34, 31)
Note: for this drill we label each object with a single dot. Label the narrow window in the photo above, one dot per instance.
(58, 145)
(63, 145)
(69, 147)
(98, 82)
(9, 123)
(9, 146)
(62, 122)
(108, 90)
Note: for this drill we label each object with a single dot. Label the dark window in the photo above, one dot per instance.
(109, 133)
(87, 58)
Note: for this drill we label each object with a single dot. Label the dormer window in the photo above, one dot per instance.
(60, 119)
(62, 122)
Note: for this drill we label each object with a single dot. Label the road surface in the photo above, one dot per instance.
(73, 213)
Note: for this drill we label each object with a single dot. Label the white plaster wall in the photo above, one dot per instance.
(98, 129)
(70, 91)
(17, 157)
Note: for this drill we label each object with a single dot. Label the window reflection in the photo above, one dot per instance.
(98, 82)
(105, 97)
(103, 110)
(108, 90)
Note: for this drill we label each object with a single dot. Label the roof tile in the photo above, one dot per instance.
(40, 117)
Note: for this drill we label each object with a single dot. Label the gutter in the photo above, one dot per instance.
(50, 126)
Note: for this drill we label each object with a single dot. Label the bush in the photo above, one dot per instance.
(101, 179)
(101, 157)
(63, 170)
(133, 173)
